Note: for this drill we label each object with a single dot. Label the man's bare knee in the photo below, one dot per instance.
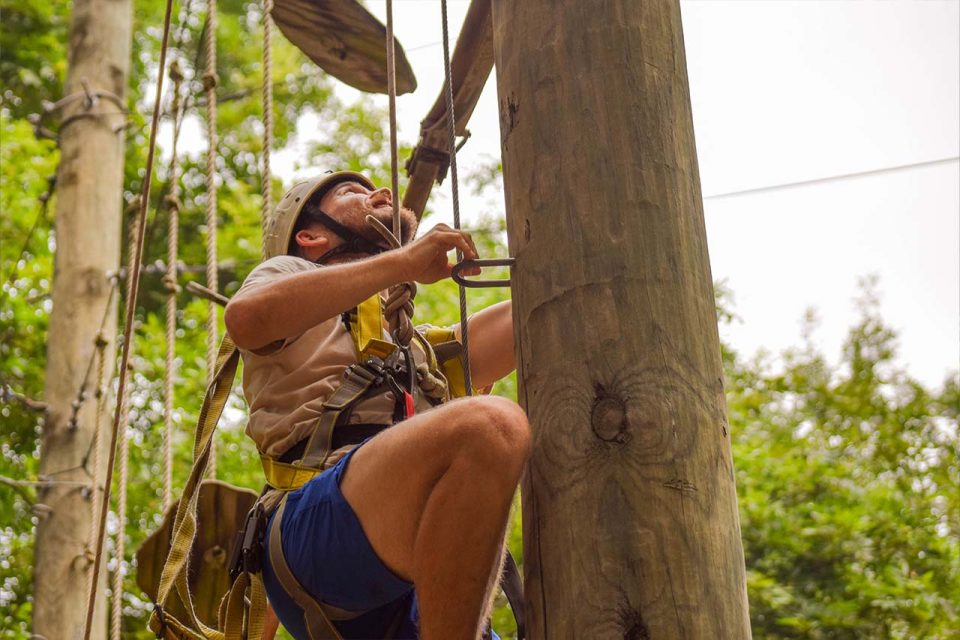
(494, 426)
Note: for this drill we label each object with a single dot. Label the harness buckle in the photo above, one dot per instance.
(247, 555)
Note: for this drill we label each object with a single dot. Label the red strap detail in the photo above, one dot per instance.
(408, 401)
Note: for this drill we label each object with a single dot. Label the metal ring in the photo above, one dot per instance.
(478, 284)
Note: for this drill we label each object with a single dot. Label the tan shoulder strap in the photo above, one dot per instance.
(357, 380)
(175, 570)
(317, 616)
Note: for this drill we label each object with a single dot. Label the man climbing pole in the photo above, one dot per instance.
(407, 540)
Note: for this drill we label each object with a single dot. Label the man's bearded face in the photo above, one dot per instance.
(384, 214)
(349, 203)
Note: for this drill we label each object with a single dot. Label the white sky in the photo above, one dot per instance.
(787, 92)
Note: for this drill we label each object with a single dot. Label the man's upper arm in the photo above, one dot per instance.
(271, 270)
(264, 274)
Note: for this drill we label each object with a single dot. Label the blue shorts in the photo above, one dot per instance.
(329, 554)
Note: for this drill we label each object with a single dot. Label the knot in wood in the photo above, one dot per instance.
(216, 556)
(609, 420)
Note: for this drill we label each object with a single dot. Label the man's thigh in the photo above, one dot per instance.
(390, 478)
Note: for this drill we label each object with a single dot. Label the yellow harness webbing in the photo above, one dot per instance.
(232, 623)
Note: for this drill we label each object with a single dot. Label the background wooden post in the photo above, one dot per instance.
(88, 220)
(629, 506)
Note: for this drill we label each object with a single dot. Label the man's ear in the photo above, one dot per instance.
(311, 238)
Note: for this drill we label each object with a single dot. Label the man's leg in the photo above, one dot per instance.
(433, 495)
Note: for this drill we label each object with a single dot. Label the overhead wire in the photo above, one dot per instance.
(834, 178)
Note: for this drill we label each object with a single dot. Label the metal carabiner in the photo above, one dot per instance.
(477, 284)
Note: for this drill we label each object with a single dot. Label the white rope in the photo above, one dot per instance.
(265, 178)
(96, 460)
(116, 601)
(210, 84)
(170, 282)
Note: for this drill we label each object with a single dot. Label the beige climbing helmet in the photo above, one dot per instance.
(280, 226)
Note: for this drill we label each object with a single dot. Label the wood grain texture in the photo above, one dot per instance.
(629, 505)
(470, 66)
(221, 511)
(88, 217)
(345, 40)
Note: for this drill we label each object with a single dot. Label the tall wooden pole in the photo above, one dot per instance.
(88, 221)
(629, 506)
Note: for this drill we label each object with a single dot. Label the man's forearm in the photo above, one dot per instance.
(290, 305)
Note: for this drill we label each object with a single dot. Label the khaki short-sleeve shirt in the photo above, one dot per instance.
(286, 384)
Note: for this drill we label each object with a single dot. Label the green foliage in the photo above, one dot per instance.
(25, 268)
(847, 480)
(32, 73)
(847, 474)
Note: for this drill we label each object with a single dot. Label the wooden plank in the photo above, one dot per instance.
(629, 506)
(470, 66)
(345, 40)
(221, 510)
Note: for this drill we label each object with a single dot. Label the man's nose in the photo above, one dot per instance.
(381, 196)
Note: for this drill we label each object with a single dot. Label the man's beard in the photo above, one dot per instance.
(384, 215)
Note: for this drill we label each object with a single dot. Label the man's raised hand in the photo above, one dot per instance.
(425, 259)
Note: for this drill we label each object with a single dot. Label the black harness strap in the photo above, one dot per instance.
(352, 241)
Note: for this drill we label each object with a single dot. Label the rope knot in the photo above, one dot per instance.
(170, 283)
(432, 386)
(399, 311)
(209, 81)
(173, 202)
(133, 205)
(176, 73)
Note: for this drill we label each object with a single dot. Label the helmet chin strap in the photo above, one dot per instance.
(352, 241)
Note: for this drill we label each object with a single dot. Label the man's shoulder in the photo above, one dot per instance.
(275, 267)
(284, 264)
